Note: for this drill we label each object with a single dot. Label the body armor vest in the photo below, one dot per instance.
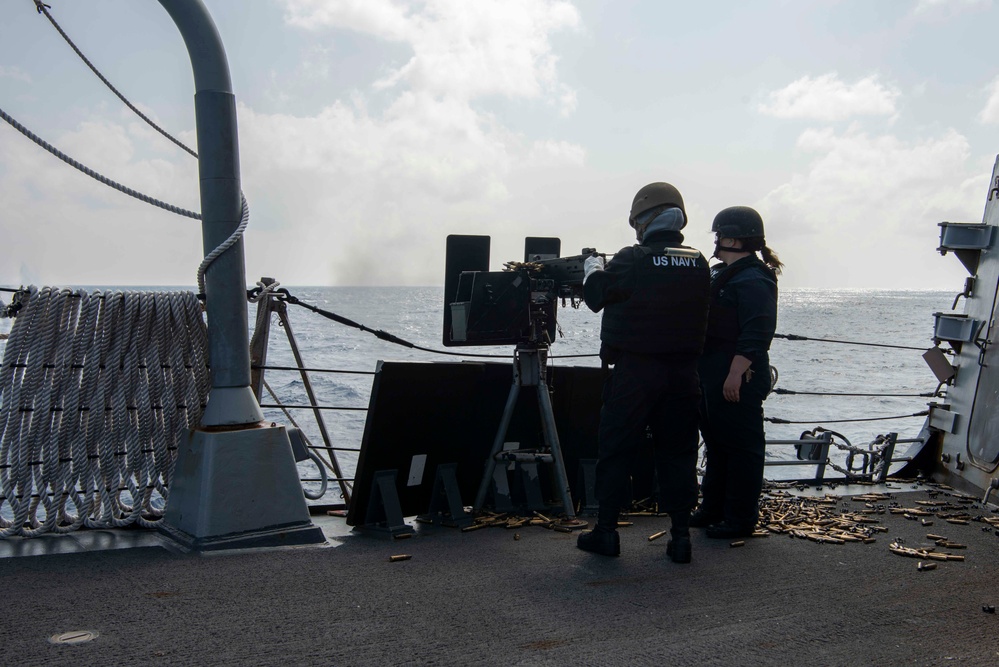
(667, 311)
(723, 318)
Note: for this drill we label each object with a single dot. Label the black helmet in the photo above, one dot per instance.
(653, 195)
(738, 222)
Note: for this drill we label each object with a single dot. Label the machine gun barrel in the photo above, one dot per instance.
(566, 272)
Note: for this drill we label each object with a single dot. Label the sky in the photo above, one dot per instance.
(370, 130)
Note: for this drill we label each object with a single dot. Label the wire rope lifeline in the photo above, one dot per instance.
(778, 420)
(792, 392)
(44, 9)
(796, 337)
(93, 174)
(286, 296)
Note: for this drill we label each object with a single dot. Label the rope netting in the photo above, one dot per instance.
(97, 390)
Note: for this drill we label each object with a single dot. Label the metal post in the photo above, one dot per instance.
(230, 401)
(282, 312)
(551, 439)
(529, 371)
(511, 405)
(235, 483)
(887, 454)
(259, 343)
(820, 467)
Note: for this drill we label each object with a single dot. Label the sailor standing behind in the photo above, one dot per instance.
(655, 301)
(735, 373)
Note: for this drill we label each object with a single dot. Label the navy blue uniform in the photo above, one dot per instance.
(743, 321)
(655, 302)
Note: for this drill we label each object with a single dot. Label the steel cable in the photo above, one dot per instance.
(796, 337)
(777, 420)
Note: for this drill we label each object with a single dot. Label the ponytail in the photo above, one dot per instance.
(769, 256)
(770, 259)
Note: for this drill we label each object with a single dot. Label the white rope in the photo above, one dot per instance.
(236, 235)
(264, 291)
(96, 392)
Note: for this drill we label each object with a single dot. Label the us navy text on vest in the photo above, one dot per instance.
(686, 257)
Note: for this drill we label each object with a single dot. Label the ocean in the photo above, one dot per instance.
(903, 318)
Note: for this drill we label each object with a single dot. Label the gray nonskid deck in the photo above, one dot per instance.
(487, 598)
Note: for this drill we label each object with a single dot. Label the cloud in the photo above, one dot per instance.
(382, 18)
(460, 49)
(926, 8)
(868, 202)
(348, 195)
(827, 98)
(365, 189)
(15, 73)
(64, 228)
(990, 112)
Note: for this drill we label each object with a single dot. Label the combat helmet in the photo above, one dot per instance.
(738, 222)
(654, 195)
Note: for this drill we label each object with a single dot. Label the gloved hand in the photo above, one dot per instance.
(591, 264)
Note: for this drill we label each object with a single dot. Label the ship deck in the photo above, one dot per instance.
(484, 597)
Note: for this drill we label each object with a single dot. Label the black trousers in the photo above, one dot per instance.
(663, 395)
(734, 441)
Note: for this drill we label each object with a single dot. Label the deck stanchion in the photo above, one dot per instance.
(235, 483)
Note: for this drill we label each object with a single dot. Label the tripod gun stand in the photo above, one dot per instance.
(529, 361)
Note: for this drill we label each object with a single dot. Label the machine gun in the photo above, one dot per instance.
(515, 306)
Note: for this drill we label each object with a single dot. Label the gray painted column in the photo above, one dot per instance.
(231, 487)
(231, 400)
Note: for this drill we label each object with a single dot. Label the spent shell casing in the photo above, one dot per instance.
(738, 543)
(656, 536)
(399, 557)
(474, 526)
(922, 567)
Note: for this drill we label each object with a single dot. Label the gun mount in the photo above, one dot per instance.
(516, 306)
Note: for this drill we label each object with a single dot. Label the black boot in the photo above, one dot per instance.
(702, 519)
(678, 548)
(601, 541)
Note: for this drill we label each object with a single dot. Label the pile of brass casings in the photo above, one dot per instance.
(816, 520)
(510, 521)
